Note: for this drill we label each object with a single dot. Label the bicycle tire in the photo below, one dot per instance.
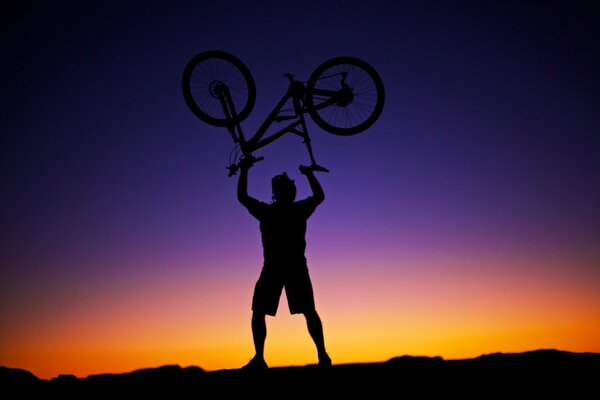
(212, 67)
(368, 96)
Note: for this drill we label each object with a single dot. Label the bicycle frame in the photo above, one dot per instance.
(343, 96)
(296, 93)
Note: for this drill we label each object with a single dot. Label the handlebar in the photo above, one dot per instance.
(233, 168)
(315, 167)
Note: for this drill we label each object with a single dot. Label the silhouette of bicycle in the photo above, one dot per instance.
(343, 96)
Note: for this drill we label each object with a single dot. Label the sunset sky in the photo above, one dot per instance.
(465, 221)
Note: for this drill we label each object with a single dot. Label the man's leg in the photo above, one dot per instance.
(315, 328)
(259, 333)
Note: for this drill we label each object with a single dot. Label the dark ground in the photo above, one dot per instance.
(535, 373)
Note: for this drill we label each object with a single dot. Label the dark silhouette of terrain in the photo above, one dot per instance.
(539, 372)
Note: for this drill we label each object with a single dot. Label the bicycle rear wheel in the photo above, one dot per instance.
(345, 95)
(203, 80)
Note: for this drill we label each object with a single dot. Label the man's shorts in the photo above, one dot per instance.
(298, 289)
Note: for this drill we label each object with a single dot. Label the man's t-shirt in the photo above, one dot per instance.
(283, 229)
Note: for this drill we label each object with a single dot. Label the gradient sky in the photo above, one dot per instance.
(464, 222)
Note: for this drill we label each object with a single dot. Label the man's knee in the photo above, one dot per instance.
(311, 315)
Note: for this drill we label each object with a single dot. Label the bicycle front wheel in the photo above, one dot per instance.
(203, 82)
(345, 95)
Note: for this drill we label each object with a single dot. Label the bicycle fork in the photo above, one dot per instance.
(233, 127)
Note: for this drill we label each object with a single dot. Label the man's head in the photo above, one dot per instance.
(284, 189)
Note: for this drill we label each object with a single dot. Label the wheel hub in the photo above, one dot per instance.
(217, 89)
(345, 96)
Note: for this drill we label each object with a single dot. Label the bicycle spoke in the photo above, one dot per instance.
(345, 95)
(211, 74)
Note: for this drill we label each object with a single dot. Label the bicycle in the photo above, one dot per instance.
(343, 96)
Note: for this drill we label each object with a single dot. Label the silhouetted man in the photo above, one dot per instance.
(283, 230)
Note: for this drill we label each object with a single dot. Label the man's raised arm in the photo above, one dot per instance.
(317, 190)
(242, 187)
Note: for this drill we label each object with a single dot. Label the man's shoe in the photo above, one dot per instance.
(256, 364)
(324, 360)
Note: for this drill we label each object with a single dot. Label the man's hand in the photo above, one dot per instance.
(305, 169)
(317, 191)
(247, 162)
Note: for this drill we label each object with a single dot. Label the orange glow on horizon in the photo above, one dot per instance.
(367, 318)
